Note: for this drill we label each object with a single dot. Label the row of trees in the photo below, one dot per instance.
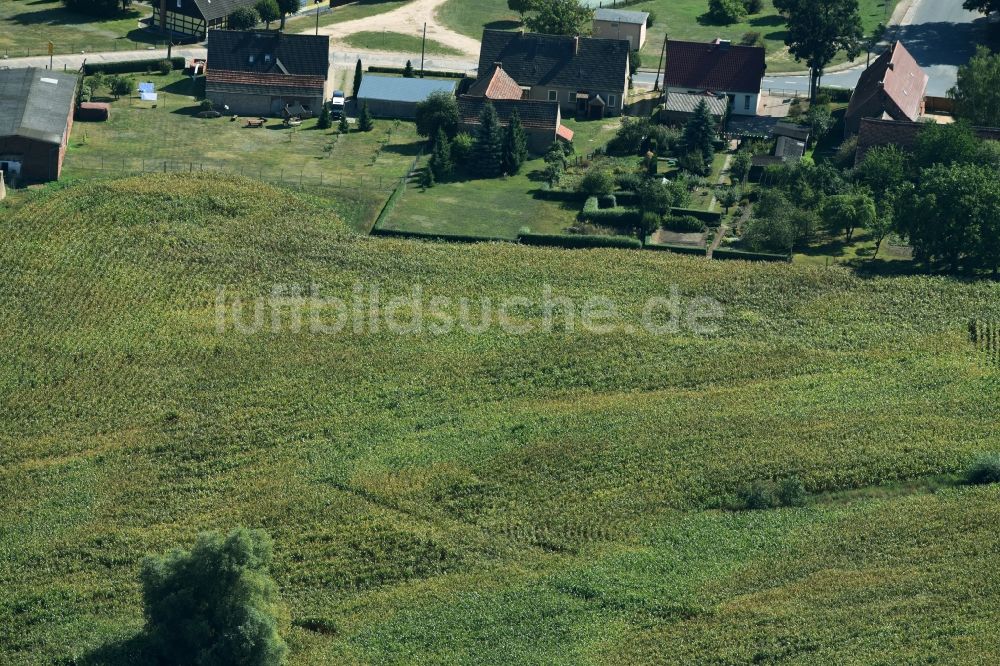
(266, 11)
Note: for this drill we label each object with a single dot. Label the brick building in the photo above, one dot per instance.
(36, 116)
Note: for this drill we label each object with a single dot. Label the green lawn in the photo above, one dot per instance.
(398, 42)
(142, 138)
(484, 496)
(498, 207)
(682, 18)
(26, 27)
(351, 12)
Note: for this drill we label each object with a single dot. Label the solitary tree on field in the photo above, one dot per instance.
(515, 145)
(214, 604)
(268, 11)
(243, 18)
(357, 77)
(977, 93)
(489, 143)
(818, 29)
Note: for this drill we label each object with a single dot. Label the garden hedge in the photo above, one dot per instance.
(426, 235)
(616, 217)
(746, 255)
(836, 95)
(129, 66)
(677, 249)
(378, 69)
(712, 219)
(571, 241)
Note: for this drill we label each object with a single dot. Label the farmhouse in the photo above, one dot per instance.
(36, 115)
(496, 84)
(541, 119)
(718, 67)
(588, 77)
(396, 97)
(262, 72)
(892, 88)
(618, 24)
(192, 19)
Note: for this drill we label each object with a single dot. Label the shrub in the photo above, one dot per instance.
(684, 224)
(984, 470)
(649, 223)
(651, 19)
(694, 162)
(607, 201)
(165, 67)
(121, 85)
(461, 148)
(753, 6)
(124, 66)
(628, 181)
(752, 38)
(791, 492)
(598, 181)
(726, 12)
(757, 496)
(215, 603)
(206, 104)
(622, 218)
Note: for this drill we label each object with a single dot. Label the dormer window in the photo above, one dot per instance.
(251, 60)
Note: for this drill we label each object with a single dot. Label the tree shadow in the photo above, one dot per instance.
(61, 16)
(502, 25)
(943, 43)
(405, 149)
(122, 652)
(777, 35)
(768, 21)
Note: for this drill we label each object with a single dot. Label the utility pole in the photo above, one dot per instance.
(52, 49)
(317, 19)
(423, 50)
(659, 66)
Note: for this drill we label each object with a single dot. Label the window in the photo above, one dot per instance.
(746, 102)
(612, 101)
(572, 96)
(553, 95)
(178, 4)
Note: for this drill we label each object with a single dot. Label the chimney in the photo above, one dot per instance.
(576, 45)
(498, 64)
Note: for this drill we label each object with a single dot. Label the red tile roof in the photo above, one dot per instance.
(260, 80)
(895, 77)
(564, 133)
(717, 66)
(496, 84)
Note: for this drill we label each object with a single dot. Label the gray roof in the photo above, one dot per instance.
(272, 52)
(36, 103)
(791, 130)
(531, 59)
(214, 9)
(400, 89)
(789, 149)
(687, 103)
(621, 16)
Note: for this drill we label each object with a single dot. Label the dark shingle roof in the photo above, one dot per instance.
(214, 9)
(272, 52)
(532, 59)
(715, 66)
(36, 103)
(534, 113)
(791, 130)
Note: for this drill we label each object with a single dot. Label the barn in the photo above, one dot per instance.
(36, 116)
(395, 97)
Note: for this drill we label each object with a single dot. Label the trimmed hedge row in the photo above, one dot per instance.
(425, 235)
(378, 69)
(558, 195)
(128, 66)
(592, 212)
(836, 95)
(677, 249)
(712, 219)
(571, 241)
(746, 255)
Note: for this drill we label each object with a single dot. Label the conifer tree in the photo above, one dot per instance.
(440, 162)
(489, 143)
(515, 145)
(365, 122)
(699, 132)
(357, 77)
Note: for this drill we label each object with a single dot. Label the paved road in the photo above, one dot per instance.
(940, 34)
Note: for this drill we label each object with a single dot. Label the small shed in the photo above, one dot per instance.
(397, 97)
(678, 107)
(93, 111)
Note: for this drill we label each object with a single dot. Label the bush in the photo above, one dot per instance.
(651, 19)
(165, 67)
(461, 148)
(622, 218)
(206, 104)
(598, 181)
(726, 12)
(752, 38)
(126, 66)
(985, 470)
(607, 201)
(753, 6)
(759, 495)
(694, 162)
(684, 224)
(215, 603)
(649, 223)
(791, 492)
(628, 181)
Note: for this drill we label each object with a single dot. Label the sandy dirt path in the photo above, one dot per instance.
(408, 19)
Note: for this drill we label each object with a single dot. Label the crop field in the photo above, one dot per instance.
(684, 19)
(559, 495)
(364, 166)
(27, 26)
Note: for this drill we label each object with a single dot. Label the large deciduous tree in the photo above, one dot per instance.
(560, 17)
(438, 112)
(977, 92)
(243, 18)
(845, 213)
(214, 604)
(287, 7)
(984, 6)
(268, 11)
(522, 7)
(818, 30)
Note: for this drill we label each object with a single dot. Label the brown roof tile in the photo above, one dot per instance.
(717, 66)
(895, 77)
(496, 84)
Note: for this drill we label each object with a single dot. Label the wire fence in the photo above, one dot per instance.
(91, 46)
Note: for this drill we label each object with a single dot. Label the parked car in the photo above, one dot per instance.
(337, 103)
